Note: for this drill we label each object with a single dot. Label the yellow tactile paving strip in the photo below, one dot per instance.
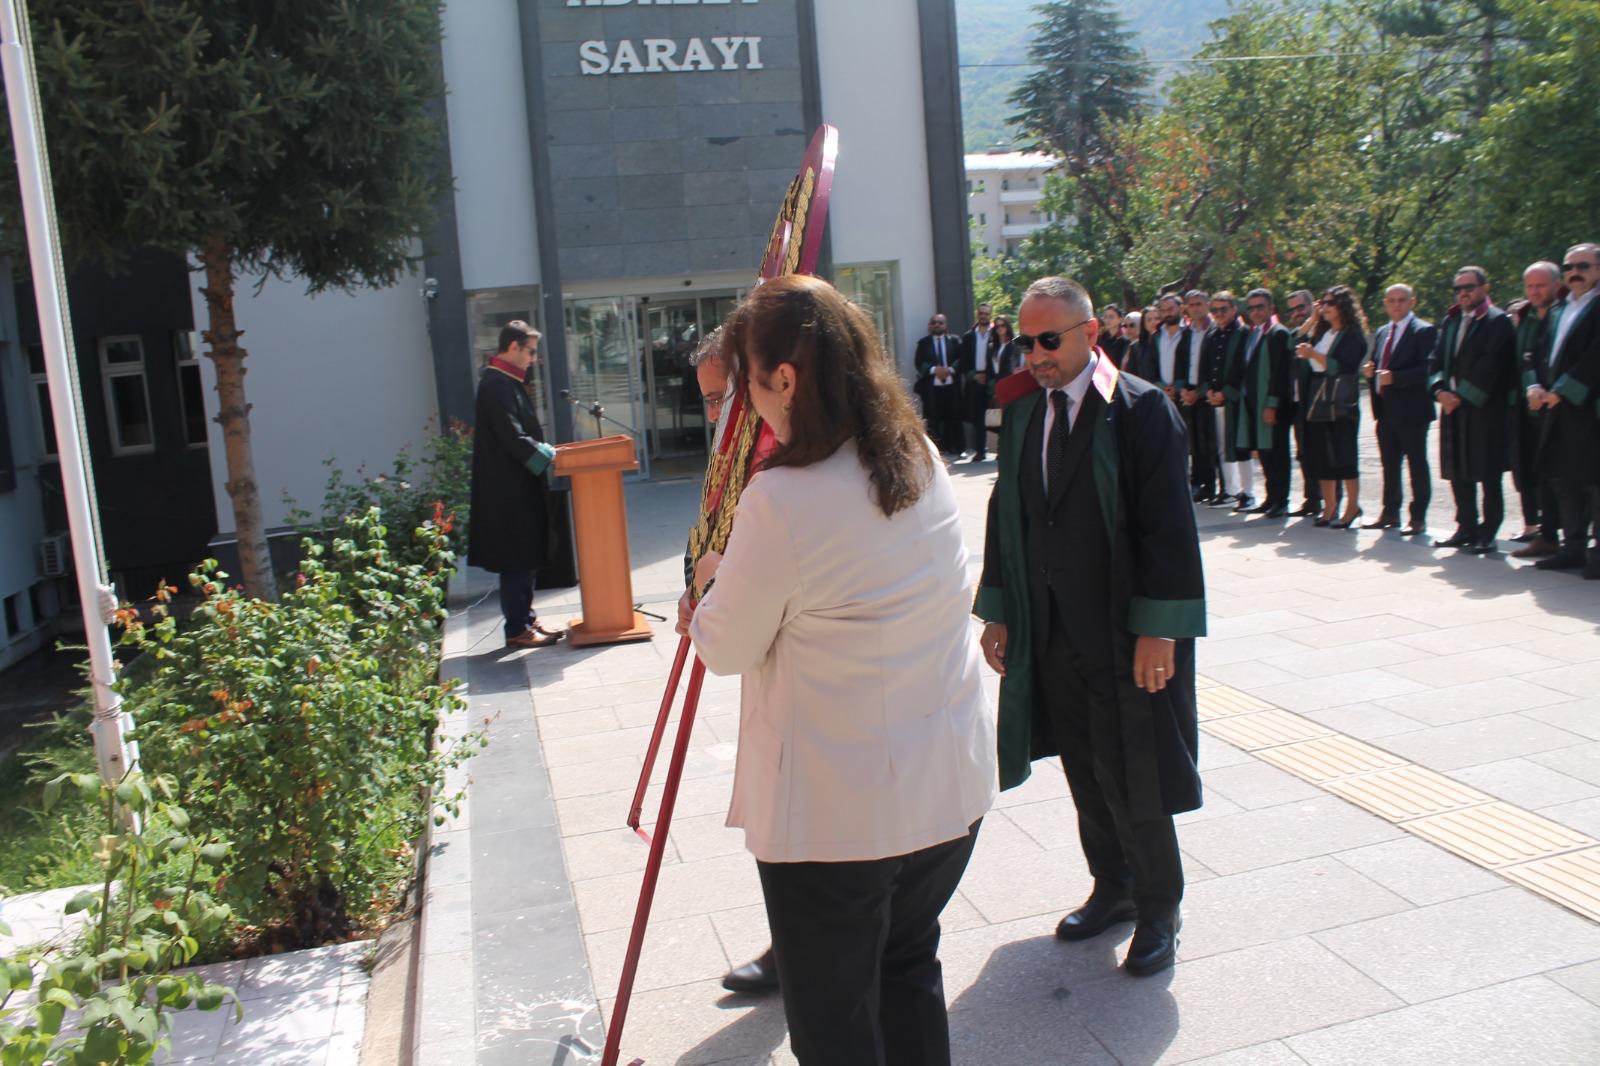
(1559, 863)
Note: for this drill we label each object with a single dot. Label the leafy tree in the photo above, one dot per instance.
(289, 138)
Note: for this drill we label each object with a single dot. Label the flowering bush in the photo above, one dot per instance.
(303, 728)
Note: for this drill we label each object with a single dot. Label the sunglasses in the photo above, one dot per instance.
(1465, 288)
(1299, 307)
(1048, 341)
(1581, 268)
(1256, 307)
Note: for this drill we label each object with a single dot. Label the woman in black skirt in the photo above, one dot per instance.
(1337, 348)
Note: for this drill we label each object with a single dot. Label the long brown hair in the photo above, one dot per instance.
(846, 387)
(1350, 314)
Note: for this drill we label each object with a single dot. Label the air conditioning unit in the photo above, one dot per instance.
(55, 555)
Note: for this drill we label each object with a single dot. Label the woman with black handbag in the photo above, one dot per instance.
(1334, 355)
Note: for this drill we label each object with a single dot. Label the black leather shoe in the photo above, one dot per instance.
(1562, 560)
(1383, 521)
(1279, 511)
(1221, 499)
(1098, 914)
(1346, 523)
(1202, 495)
(1481, 547)
(1244, 504)
(1413, 531)
(1460, 539)
(757, 975)
(1267, 506)
(1322, 523)
(1305, 510)
(1154, 947)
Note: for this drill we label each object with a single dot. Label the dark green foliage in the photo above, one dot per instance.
(296, 129)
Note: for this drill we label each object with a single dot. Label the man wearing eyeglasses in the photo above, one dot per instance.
(1301, 305)
(1224, 346)
(1259, 385)
(1471, 374)
(1093, 593)
(1541, 287)
(938, 362)
(1570, 452)
(1197, 414)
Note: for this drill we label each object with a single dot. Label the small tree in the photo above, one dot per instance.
(290, 138)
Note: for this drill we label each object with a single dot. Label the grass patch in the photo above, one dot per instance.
(55, 850)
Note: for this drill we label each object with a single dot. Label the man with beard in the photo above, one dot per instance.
(1541, 285)
(938, 362)
(1402, 407)
(1571, 449)
(1259, 386)
(1197, 414)
(1473, 370)
(1300, 305)
(1093, 594)
(1223, 347)
(976, 345)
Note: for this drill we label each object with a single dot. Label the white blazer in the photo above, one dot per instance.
(863, 731)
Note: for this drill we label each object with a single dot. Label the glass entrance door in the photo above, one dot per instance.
(604, 368)
(671, 329)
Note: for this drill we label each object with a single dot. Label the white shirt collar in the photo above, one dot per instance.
(1079, 386)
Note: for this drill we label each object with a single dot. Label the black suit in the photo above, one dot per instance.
(1258, 381)
(1474, 440)
(1403, 410)
(1570, 450)
(1070, 598)
(941, 404)
(975, 396)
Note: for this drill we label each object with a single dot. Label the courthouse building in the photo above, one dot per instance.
(617, 168)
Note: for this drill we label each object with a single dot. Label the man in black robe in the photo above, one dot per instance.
(508, 531)
(1472, 372)
(1570, 451)
(1093, 594)
(1259, 386)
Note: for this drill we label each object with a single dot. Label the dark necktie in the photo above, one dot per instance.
(1388, 349)
(1056, 453)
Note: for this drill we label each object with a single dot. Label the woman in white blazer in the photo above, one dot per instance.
(866, 754)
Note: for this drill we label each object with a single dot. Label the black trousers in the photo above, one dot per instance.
(943, 417)
(1530, 484)
(1487, 526)
(857, 945)
(1579, 507)
(1313, 488)
(1136, 857)
(516, 600)
(1202, 427)
(1405, 442)
(1275, 464)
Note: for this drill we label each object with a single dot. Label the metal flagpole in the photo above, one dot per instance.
(114, 752)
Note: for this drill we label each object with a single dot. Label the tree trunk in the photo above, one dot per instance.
(233, 415)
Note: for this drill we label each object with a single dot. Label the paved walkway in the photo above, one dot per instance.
(1315, 931)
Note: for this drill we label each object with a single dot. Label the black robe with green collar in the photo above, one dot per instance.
(1157, 589)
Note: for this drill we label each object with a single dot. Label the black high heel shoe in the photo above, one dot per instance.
(1346, 523)
(1322, 522)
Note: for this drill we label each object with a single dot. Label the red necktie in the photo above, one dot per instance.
(1388, 346)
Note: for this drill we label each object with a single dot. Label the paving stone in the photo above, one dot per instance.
(1046, 782)
(1338, 690)
(595, 747)
(613, 851)
(682, 951)
(1455, 639)
(1285, 833)
(291, 1018)
(700, 1024)
(609, 810)
(1214, 754)
(1021, 962)
(1254, 784)
(1466, 943)
(531, 971)
(577, 724)
(518, 869)
(1248, 675)
(1357, 630)
(1261, 646)
(1580, 716)
(1463, 702)
(1525, 783)
(1278, 903)
(1419, 871)
(197, 1034)
(298, 971)
(608, 902)
(1581, 761)
(448, 1012)
(1582, 815)
(1215, 806)
(1530, 1021)
(1583, 979)
(1574, 647)
(1308, 664)
(1273, 1053)
(1050, 823)
(1252, 624)
(1576, 679)
(1041, 883)
(1010, 1034)
(1139, 1021)
(1479, 741)
(1364, 721)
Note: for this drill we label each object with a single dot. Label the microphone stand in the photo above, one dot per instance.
(598, 413)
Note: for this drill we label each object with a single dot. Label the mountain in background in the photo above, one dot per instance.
(997, 31)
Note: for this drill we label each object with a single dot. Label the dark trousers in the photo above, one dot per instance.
(1313, 488)
(1202, 426)
(516, 601)
(1530, 484)
(1275, 464)
(1468, 521)
(857, 946)
(1579, 507)
(1125, 856)
(943, 417)
(1407, 442)
(1548, 514)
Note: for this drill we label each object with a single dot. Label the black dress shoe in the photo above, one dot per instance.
(1322, 523)
(1413, 531)
(1221, 499)
(757, 975)
(1383, 521)
(1202, 495)
(1154, 947)
(1527, 536)
(1346, 523)
(1280, 511)
(1481, 547)
(1269, 505)
(1305, 510)
(1099, 913)
(1244, 504)
(1562, 560)
(1460, 539)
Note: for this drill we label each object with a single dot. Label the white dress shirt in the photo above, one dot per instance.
(1167, 349)
(941, 357)
(863, 731)
(1575, 307)
(1076, 390)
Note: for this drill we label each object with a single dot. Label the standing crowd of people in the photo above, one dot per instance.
(1513, 389)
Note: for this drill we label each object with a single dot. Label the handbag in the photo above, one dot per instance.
(1337, 399)
(991, 417)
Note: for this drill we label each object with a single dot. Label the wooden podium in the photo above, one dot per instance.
(600, 531)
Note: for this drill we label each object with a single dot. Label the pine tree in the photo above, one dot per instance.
(284, 137)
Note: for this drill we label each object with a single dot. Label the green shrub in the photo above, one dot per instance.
(303, 728)
(117, 979)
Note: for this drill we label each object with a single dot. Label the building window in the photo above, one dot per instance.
(983, 218)
(1005, 184)
(40, 384)
(969, 188)
(127, 395)
(872, 287)
(191, 398)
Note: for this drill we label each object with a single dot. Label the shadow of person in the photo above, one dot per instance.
(1044, 1001)
(753, 1037)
